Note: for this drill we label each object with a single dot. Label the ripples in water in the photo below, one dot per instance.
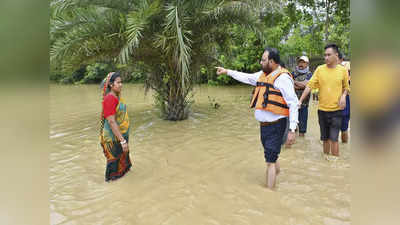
(208, 169)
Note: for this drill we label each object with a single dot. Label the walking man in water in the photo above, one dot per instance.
(275, 101)
(333, 83)
(301, 76)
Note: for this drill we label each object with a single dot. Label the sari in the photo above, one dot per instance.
(118, 161)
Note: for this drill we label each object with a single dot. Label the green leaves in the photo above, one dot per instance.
(95, 73)
(81, 34)
(136, 23)
(173, 38)
(177, 34)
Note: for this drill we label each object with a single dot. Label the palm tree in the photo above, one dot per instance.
(172, 37)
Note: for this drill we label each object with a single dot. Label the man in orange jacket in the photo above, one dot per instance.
(276, 102)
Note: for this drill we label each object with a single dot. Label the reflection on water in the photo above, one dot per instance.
(208, 169)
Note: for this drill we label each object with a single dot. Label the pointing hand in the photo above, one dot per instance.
(221, 70)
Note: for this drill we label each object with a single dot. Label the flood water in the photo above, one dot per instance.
(206, 170)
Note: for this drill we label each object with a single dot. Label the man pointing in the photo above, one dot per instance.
(275, 103)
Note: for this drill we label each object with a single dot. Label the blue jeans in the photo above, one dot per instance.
(346, 115)
(272, 137)
(303, 116)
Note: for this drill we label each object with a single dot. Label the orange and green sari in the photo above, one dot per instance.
(118, 161)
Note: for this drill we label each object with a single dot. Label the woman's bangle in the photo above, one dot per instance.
(123, 142)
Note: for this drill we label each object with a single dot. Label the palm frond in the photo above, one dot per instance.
(85, 34)
(59, 7)
(136, 22)
(175, 28)
(210, 27)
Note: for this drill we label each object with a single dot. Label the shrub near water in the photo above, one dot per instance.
(95, 73)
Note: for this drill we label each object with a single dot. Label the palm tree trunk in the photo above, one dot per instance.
(176, 106)
(176, 109)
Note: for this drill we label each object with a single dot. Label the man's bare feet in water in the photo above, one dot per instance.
(278, 170)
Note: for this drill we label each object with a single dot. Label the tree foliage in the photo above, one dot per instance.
(172, 37)
(172, 44)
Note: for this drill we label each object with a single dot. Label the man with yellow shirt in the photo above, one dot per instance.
(333, 83)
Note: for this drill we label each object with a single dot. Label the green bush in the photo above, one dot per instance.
(212, 83)
(133, 73)
(224, 80)
(79, 74)
(95, 73)
(56, 77)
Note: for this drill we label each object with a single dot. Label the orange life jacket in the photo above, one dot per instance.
(266, 97)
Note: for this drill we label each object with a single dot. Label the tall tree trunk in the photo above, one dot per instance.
(170, 98)
(327, 20)
(176, 106)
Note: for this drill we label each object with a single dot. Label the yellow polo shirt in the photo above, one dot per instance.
(331, 83)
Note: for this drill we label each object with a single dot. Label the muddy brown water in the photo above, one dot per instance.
(208, 169)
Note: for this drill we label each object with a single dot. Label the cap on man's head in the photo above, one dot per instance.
(304, 58)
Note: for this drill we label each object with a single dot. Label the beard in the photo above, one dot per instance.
(266, 69)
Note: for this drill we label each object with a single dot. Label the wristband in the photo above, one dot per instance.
(123, 142)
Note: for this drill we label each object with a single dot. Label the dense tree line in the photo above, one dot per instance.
(170, 45)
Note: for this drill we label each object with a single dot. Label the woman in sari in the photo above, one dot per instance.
(114, 132)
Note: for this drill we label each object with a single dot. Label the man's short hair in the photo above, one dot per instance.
(333, 46)
(273, 54)
(340, 55)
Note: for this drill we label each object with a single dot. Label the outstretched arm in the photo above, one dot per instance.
(300, 84)
(311, 84)
(305, 93)
(247, 78)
